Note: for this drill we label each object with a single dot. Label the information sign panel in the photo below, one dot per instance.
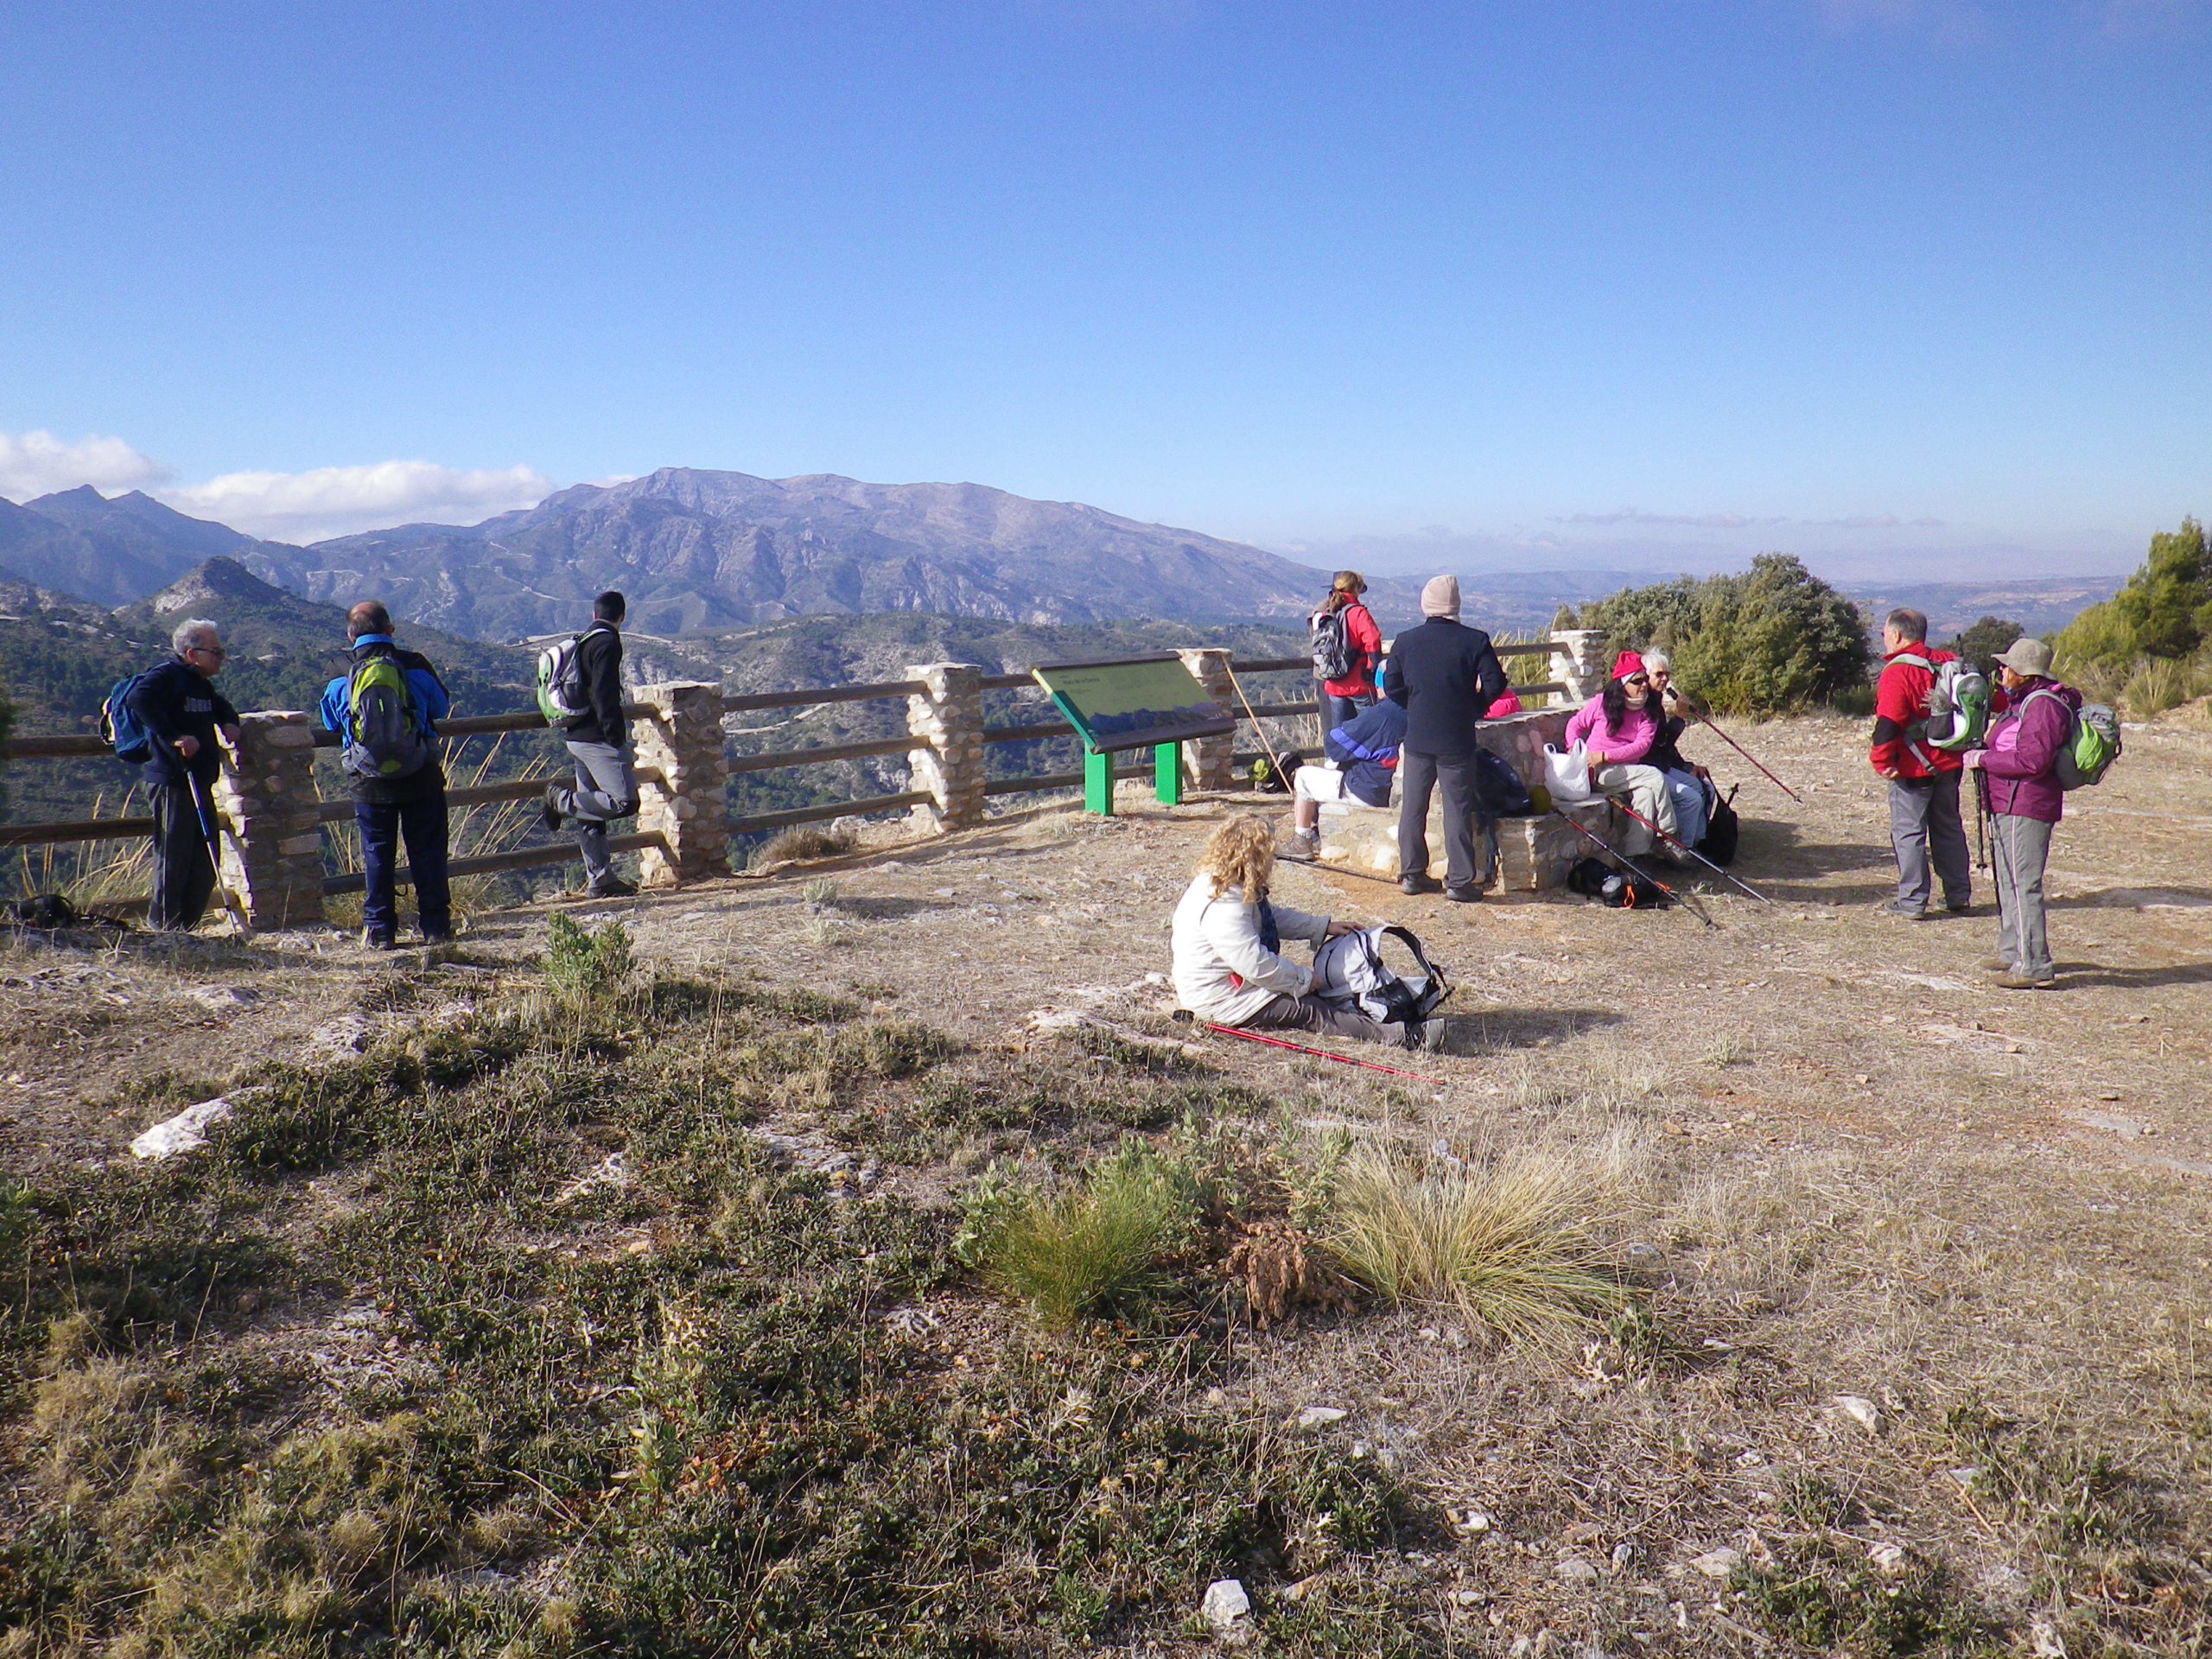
(1133, 703)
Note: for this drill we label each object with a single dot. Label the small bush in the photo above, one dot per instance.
(802, 840)
(582, 962)
(1090, 1249)
(1509, 1245)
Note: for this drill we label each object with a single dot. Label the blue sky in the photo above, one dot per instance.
(1566, 283)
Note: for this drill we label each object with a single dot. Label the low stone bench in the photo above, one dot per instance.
(1534, 854)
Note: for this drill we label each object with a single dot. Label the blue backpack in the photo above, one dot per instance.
(120, 728)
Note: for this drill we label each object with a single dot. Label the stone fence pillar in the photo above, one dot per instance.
(272, 839)
(946, 720)
(1208, 762)
(687, 805)
(1583, 667)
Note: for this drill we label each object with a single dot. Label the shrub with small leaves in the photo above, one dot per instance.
(585, 963)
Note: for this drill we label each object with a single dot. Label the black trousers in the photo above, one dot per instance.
(1419, 776)
(421, 825)
(184, 873)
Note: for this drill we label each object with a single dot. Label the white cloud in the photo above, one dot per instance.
(38, 463)
(330, 501)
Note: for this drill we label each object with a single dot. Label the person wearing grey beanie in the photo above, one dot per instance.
(1444, 675)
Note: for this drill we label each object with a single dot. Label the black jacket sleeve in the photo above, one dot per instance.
(1491, 673)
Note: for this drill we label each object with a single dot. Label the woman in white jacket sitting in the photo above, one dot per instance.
(1228, 968)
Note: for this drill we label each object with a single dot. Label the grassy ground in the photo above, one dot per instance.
(862, 1262)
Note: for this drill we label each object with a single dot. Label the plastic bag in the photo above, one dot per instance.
(1567, 772)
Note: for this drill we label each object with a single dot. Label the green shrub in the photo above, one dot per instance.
(2164, 613)
(1093, 1248)
(585, 963)
(1774, 639)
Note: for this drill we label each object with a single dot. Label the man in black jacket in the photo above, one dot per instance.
(598, 739)
(1444, 675)
(184, 713)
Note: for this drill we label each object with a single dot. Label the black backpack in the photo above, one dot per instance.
(1332, 652)
(1722, 829)
(1617, 889)
(1498, 788)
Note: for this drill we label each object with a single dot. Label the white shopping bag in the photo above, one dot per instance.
(1567, 772)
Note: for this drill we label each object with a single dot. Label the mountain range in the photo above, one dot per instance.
(701, 552)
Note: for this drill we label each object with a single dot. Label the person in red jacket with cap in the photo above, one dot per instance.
(1924, 822)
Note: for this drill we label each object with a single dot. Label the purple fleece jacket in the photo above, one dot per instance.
(2022, 754)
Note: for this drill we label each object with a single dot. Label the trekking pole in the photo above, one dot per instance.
(1623, 859)
(1746, 753)
(1980, 819)
(1681, 846)
(1258, 730)
(210, 831)
(1187, 1017)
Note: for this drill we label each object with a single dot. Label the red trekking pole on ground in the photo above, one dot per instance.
(1184, 1016)
(1630, 865)
(1682, 846)
(1707, 720)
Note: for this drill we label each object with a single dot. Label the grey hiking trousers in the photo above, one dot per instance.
(2020, 848)
(1925, 828)
(1314, 1014)
(605, 787)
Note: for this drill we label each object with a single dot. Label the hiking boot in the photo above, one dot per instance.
(610, 887)
(1410, 885)
(1468, 895)
(378, 941)
(2016, 981)
(1965, 907)
(1904, 912)
(437, 936)
(550, 814)
(1300, 848)
(1995, 964)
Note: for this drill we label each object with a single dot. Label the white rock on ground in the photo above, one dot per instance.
(1575, 1570)
(1862, 1411)
(186, 1132)
(1888, 1560)
(1319, 1416)
(1719, 1563)
(1225, 1604)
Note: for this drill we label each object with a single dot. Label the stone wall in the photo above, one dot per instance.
(683, 783)
(272, 840)
(946, 719)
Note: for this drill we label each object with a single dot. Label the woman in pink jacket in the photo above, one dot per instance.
(1617, 727)
(2019, 780)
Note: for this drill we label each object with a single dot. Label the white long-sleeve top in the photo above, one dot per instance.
(1218, 943)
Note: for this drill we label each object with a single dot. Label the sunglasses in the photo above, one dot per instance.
(1637, 679)
(216, 651)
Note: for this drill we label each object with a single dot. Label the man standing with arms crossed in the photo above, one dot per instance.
(1443, 675)
(599, 741)
(1924, 822)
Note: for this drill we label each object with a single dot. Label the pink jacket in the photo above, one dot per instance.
(1625, 748)
(2023, 751)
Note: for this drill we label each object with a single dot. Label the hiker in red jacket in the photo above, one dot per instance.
(2025, 803)
(1343, 698)
(1924, 822)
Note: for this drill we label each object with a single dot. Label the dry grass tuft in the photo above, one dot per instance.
(802, 840)
(1510, 1245)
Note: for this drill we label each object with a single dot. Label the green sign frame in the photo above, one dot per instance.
(1133, 703)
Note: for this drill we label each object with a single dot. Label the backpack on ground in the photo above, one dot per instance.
(2092, 742)
(120, 728)
(1333, 656)
(385, 739)
(1498, 788)
(1723, 829)
(1958, 703)
(1268, 778)
(560, 696)
(1351, 971)
(1597, 881)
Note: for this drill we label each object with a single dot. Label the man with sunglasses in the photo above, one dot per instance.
(178, 705)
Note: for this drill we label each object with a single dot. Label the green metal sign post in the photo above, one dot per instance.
(1136, 703)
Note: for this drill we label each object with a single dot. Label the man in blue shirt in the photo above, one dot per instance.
(1363, 754)
(383, 709)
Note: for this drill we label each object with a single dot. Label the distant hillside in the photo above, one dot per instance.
(700, 550)
(114, 552)
(2041, 604)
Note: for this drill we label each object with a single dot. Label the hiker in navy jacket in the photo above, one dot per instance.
(598, 742)
(1363, 762)
(409, 806)
(2019, 767)
(1447, 676)
(184, 714)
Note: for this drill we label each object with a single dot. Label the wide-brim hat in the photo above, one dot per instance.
(2028, 657)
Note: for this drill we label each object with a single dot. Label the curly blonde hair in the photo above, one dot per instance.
(1241, 854)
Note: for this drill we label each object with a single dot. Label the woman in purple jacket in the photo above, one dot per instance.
(2019, 780)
